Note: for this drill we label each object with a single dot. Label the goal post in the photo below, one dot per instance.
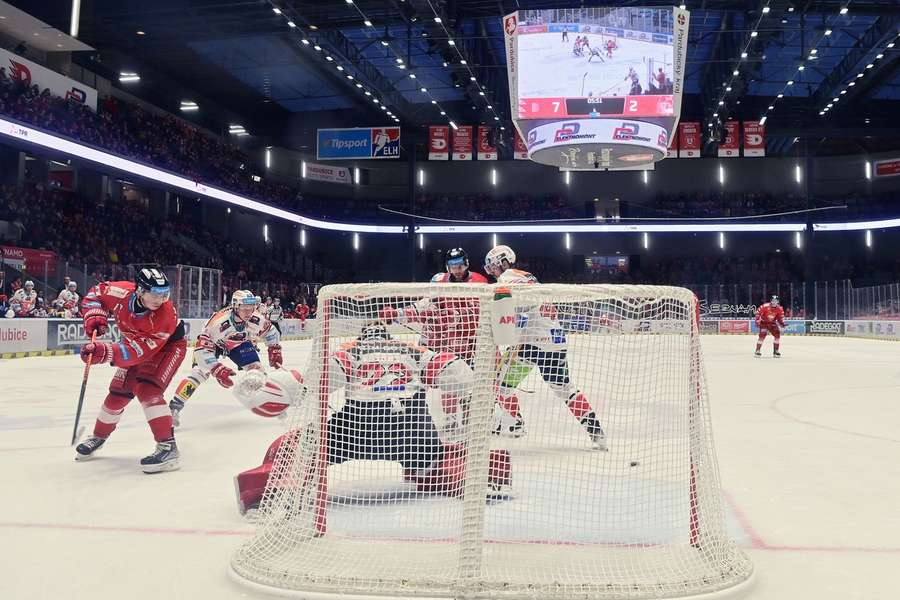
(394, 483)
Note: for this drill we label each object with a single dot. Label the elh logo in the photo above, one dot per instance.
(386, 142)
(510, 24)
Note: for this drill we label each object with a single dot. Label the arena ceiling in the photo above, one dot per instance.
(252, 57)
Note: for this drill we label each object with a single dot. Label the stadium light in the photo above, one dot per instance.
(753, 34)
(356, 240)
(844, 10)
(494, 240)
(766, 10)
(567, 177)
(266, 233)
(356, 175)
(129, 77)
(646, 241)
(798, 240)
(828, 32)
(868, 238)
(421, 241)
(721, 240)
(303, 238)
(493, 176)
(189, 106)
(722, 168)
(291, 24)
(453, 125)
(646, 177)
(268, 157)
(421, 177)
(367, 23)
(801, 68)
(798, 174)
(568, 241)
(303, 169)
(868, 170)
(276, 10)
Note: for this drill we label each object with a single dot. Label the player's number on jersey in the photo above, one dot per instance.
(374, 375)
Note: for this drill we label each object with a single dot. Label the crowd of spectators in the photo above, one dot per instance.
(103, 238)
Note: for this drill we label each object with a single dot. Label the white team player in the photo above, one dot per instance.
(68, 300)
(542, 344)
(231, 332)
(276, 315)
(24, 300)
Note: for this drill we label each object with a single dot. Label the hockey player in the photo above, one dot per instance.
(542, 344)
(457, 269)
(302, 312)
(68, 300)
(276, 315)
(384, 416)
(595, 53)
(147, 357)
(24, 300)
(610, 47)
(770, 319)
(232, 332)
(565, 34)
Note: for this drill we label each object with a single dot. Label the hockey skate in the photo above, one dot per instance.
(86, 449)
(176, 406)
(506, 425)
(164, 458)
(776, 354)
(593, 428)
(757, 354)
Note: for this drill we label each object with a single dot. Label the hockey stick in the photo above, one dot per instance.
(84, 380)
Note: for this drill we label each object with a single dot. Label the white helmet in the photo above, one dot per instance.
(243, 298)
(29, 283)
(72, 285)
(495, 257)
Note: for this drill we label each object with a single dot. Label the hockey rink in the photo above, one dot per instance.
(551, 69)
(808, 447)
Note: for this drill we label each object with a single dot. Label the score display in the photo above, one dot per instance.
(595, 106)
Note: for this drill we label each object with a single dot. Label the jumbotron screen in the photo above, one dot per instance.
(595, 62)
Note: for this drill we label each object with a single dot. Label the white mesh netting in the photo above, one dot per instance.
(575, 462)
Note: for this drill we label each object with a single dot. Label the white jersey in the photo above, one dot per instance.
(385, 369)
(538, 325)
(225, 332)
(67, 299)
(23, 298)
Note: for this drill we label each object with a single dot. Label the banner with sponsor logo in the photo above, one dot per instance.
(742, 326)
(439, 142)
(730, 146)
(887, 168)
(754, 139)
(709, 326)
(825, 327)
(486, 150)
(792, 327)
(862, 328)
(629, 143)
(22, 335)
(520, 150)
(358, 143)
(672, 151)
(462, 143)
(29, 73)
(689, 141)
(320, 172)
(32, 261)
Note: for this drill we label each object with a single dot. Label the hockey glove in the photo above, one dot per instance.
(95, 320)
(97, 353)
(223, 375)
(275, 357)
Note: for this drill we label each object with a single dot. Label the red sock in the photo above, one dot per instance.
(510, 404)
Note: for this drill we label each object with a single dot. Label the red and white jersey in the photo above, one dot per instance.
(68, 300)
(471, 277)
(769, 315)
(226, 332)
(22, 301)
(387, 369)
(144, 331)
(302, 311)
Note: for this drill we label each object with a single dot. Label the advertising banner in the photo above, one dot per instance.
(486, 150)
(709, 326)
(754, 139)
(439, 142)
(885, 329)
(689, 141)
(672, 152)
(730, 145)
(22, 335)
(29, 74)
(863, 328)
(26, 259)
(791, 327)
(320, 172)
(741, 326)
(825, 327)
(462, 143)
(358, 143)
(520, 150)
(887, 168)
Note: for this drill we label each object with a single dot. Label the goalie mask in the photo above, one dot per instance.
(775, 301)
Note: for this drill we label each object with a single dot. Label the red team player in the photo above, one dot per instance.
(149, 353)
(448, 323)
(770, 319)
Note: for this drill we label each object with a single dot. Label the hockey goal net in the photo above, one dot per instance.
(395, 483)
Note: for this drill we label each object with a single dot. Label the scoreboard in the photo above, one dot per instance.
(595, 106)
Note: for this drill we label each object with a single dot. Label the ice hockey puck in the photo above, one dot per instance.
(634, 463)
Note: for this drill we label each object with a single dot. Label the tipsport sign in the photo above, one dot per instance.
(358, 143)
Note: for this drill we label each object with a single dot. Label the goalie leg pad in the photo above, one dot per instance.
(447, 475)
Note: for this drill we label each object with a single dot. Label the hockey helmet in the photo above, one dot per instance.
(152, 280)
(493, 261)
(456, 256)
